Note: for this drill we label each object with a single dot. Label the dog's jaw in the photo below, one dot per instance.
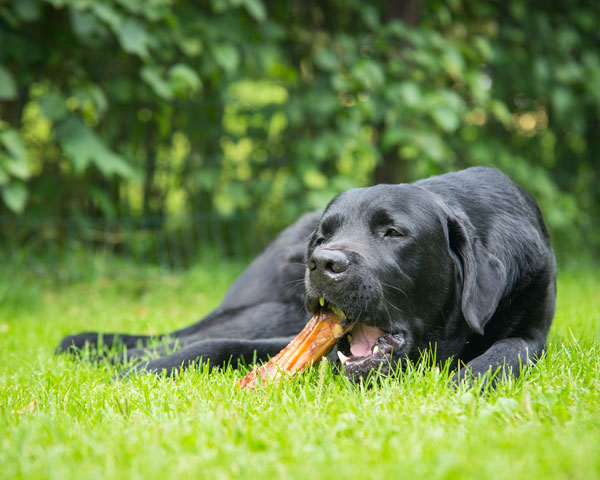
(368, 348)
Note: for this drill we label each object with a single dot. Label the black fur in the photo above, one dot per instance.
(461, 263)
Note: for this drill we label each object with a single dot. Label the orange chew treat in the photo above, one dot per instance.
(319, 336)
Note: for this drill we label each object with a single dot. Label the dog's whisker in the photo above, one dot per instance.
(293, 282)
(394, 287)
(394, 306)
(391, 323)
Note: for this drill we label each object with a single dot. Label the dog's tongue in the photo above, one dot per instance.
(363, 339)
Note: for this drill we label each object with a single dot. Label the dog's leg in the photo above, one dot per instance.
(217, 353)
(504, 358)
(77, 343)
(267, 299)
(135, 343)
(152, 351)
(508, 356)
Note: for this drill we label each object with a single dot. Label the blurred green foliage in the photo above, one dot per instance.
(157, 108)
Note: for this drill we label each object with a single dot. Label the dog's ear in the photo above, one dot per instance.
(483, 275)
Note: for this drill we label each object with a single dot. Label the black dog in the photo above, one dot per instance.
(460, 263)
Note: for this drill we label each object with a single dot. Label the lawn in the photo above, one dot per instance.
(62, 419)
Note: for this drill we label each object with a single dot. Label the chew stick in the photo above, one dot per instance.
(319, 336)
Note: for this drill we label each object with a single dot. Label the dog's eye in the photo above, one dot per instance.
(318, 241)
(392, 232)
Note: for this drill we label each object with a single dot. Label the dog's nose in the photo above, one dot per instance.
(328, 262)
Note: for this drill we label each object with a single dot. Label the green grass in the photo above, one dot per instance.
(63, 419)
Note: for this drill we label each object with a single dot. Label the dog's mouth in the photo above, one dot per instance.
(361, 343)
(364, 343)
(366, 346)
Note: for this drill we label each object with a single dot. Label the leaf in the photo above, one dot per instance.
(445, 118)
(184, 79)
(485, 48)
(318, 199)
(4, 178)
(562, 100)
(190, 46)
(433, 146)
(327, 60)
(154, 79)
(340, 82)
(453, 62)
(8, 87)
(226, 56)
(28, 10)
(411, 94)
(11, 139)
(85, 24)
(16, 167)
(108, 15)
(16, 162)
(314, 179)
(134, 37)
(83, 146)
(393, 135)
(206, 179)
(15, 196)
(370, 16)
(53, 106)
(103, 201)
(256, 9)
(99, 98)
(121, 89)
(76, 142)
(368, 73)
(110, 163)
(500, 111)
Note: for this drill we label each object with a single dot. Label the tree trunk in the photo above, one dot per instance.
(393, 169)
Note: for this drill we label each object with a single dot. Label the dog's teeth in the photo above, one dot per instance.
(343, 358)
(376, 349)
(322, 301)
(338, 311)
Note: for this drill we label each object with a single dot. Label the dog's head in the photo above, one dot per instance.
(405, 266)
